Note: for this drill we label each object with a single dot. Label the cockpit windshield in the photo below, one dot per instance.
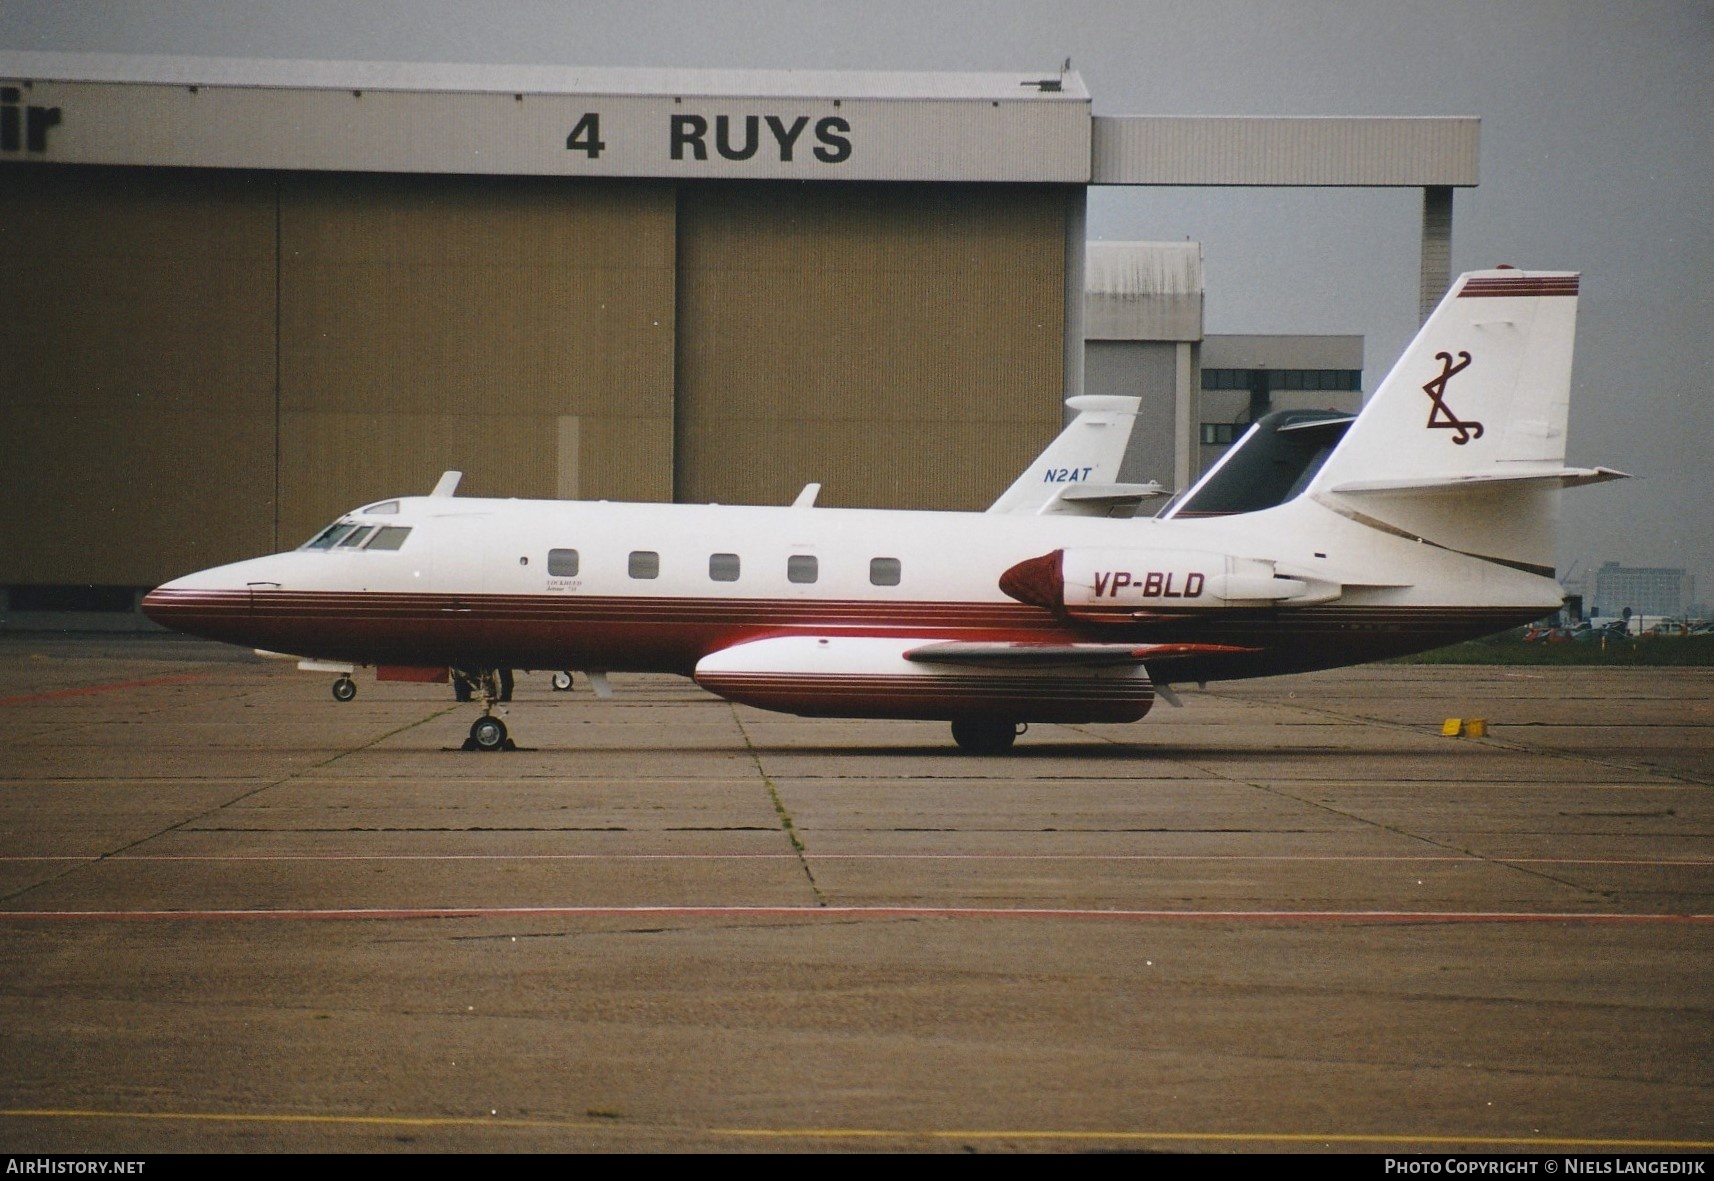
(389, 537)
(330, 536)
(349, 535)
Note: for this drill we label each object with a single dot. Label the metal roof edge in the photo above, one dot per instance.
(156, 69)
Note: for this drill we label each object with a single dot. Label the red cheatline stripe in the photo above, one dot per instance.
(55, 694)
(878, 912)
(831, 612)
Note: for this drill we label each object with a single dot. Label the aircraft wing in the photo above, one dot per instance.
(1022, 655)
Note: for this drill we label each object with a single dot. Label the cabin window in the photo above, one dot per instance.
(884, 571)
(385, 509)
(645, 563)
(390, 537)
(723, 567)
(330, 536)
(356, 537)
(802, 568)
(562, 563)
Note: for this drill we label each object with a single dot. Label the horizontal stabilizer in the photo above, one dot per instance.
(1322, 423)
(1099, 500)
(1018, 655)
(1565, 477)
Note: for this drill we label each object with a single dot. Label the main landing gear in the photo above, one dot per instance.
(985, 736)
(487, 733)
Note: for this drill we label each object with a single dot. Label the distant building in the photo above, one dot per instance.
(1142, 325)
(1646, 590)
(1245, 377)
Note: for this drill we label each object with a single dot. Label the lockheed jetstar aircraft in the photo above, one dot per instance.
(1426, 520)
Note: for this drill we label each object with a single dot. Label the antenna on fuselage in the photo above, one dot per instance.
(447, 484)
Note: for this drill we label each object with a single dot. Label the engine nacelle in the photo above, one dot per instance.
(869, 677)
(1119, 585)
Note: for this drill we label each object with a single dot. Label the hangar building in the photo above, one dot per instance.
(244, 296)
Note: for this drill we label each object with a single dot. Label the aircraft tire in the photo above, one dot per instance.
(344, 689)
(488, 733)
(561, 682)
(984, 736)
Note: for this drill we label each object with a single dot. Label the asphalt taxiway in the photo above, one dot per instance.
(237, 915)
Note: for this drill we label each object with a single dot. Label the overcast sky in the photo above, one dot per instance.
(1597, 156)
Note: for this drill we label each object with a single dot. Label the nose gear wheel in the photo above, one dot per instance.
(488, 733)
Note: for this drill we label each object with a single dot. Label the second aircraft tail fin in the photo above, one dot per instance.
(1077, 471)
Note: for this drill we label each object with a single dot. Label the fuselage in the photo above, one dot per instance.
(1422, 521)
(654, 587)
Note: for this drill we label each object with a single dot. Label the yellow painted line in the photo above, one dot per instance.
(1222, 1137)
(621, 1124)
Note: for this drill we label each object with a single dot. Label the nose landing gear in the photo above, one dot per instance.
(344, 689)
(488, 733)
(467, 685)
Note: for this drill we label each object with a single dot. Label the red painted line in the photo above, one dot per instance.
(1394, 859)
(879, 912)
(55, 694)
(1425, 859)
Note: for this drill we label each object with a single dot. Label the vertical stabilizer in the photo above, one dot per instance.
(1463, 444)
(1087, 452)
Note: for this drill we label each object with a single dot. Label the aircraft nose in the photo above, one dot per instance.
(159, 603)
(170, 604)
(197, 601)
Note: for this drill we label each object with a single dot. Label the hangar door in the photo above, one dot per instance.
(902, 344)
(137, 390)
(517, 329)
(205, 365)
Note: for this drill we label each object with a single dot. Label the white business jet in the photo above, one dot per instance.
(1427, 519)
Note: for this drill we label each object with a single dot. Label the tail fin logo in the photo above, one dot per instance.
(1440, 415)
